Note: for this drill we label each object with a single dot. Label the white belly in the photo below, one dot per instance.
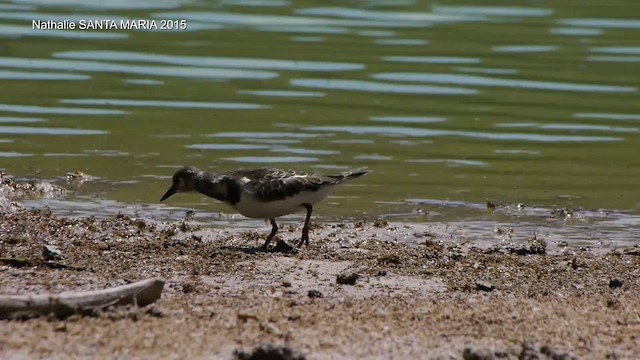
(253, 208)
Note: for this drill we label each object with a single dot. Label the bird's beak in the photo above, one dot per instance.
(172, 190)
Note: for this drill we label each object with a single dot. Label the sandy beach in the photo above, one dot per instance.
(355, 292)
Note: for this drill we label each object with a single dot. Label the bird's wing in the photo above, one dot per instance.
(276, 184)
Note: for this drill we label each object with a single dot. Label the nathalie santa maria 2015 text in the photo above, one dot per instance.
(107, 24)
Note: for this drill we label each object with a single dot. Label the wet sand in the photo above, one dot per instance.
(436, 300)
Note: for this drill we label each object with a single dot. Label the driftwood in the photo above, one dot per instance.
(140, 293)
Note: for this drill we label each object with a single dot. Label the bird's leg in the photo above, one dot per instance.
(305, 229)
(274, 230)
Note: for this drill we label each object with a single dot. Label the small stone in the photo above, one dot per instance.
(484, 286)
(389, 259)
(282, 247)
(533, 246)
(380, 223)
(268, 352)
(476, 354)
(314, 294)
(615, 283)
(188, 287)
(347, 279)
(286, 284)
(51, 252)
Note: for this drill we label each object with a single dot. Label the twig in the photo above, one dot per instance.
(140, 293)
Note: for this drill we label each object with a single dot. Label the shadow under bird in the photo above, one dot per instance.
(264, 193)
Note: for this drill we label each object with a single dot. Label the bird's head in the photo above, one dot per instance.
(184, 180)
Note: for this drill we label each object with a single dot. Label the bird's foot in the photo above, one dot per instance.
(304, 240)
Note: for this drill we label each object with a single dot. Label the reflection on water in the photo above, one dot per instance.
(271, 159)
(22, 75)
(617, 117)
(431, 59)
(422, 132)
(282, 93)
(524, 48)
(236, 63)
(469, 80)
(104, 67)
(31, 109)
(24, 130)
(527, 103)
(12, 154)
(11, 119)
(379, 87)
(568, 31)
(27, 31)
(164, 103)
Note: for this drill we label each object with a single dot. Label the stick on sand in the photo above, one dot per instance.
(140, 293)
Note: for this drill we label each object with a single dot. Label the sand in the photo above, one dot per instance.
(222, 295)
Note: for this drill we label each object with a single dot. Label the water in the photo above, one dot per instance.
(449, 105)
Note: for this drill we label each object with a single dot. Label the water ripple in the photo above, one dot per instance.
(420, 18)
(111, 4)
(106, 67)
(165, 103)
(228, 18)
(11, 154)
(22, 120)
(282, 93)
(32, 109)
(227, 147)
(431, 59)
(203, 61)
(449, 162)
(44, 76)
(263, 135)
(602, 23)
(298, 151)
(380, 87)
(271, 159)
(616, 117)
(408, 119)
(24, 130)
(324, 30)
(255, 3)
(575, 31)
(510, 11)
(570, 127)
(20, 30)
(614, 58)
(421, 132)
(524, 48)
(402, 42)
(469, 80)
(618, 50)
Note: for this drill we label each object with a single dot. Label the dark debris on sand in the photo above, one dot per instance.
(436, 296)
(268, 352)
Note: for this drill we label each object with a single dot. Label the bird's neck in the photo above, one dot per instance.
(220, 188)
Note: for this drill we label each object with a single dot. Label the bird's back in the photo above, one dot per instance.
(269, 184)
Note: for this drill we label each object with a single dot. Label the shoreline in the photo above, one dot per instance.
(435, 300)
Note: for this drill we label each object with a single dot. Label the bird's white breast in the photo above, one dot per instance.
(251, 207)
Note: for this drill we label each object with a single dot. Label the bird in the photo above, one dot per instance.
(263, 193)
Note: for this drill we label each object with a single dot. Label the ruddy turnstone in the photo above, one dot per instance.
(263, 193)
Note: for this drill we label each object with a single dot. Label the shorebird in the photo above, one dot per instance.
(263, 193)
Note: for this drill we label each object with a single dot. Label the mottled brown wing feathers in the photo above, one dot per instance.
(275, 184)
